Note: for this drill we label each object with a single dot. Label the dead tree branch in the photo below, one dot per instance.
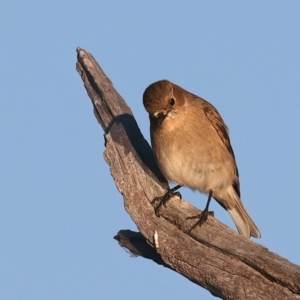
(213, 256)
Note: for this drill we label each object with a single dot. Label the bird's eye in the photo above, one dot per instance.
(172, 101)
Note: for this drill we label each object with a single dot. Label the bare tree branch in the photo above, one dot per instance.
(213, 256)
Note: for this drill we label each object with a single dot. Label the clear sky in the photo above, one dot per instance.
(59, 206)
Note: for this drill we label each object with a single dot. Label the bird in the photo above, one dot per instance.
(191, 146)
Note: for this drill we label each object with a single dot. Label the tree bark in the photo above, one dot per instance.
(213, 256)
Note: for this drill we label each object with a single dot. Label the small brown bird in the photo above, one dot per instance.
(191, 145)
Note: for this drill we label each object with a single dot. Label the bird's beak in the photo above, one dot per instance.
(160, 116)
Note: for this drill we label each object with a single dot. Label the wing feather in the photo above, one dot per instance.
(219, 125)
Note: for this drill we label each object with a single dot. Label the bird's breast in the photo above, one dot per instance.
(190, 156)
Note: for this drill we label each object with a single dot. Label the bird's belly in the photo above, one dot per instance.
(202, 175)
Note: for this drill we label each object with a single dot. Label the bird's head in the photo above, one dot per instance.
(162, 100)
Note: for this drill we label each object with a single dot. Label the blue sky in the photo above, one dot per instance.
(59, 206)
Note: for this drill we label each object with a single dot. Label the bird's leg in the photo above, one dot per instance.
(204, 214)
(165, 198)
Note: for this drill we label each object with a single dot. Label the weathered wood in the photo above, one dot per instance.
(213, 256)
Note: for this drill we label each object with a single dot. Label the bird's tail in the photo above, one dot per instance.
(242, 220)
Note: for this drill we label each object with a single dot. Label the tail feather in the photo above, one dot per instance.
(243, 221)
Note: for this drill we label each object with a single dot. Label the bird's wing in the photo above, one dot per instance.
(217, 122)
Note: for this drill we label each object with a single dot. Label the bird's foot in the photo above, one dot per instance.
(162, 201)
(201, 218)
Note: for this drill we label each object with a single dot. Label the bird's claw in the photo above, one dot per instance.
(178, 195)
(163, 200)
(201, 218)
